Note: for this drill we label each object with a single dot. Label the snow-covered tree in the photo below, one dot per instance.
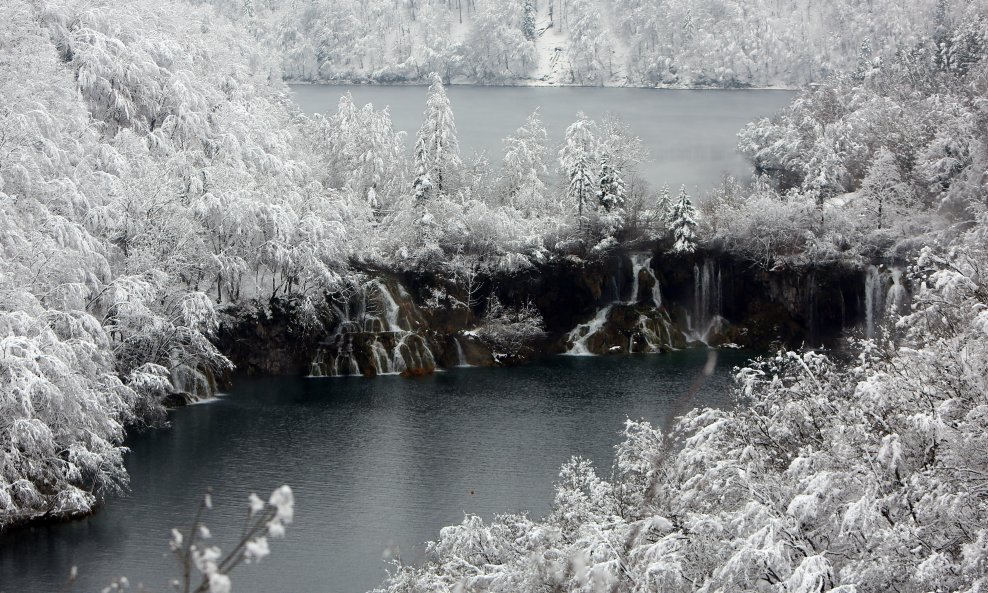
(437, 151)
(525, 164)
(577, 159)
(885, 193)
(683, 224)
(528, 19)
(497, 46)
(612, 191)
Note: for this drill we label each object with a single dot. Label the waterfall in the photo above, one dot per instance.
(654, 333)
(874, 301)
(391, 307)
(886, 297)
(461, 359)
(373, 336)
(579, 336)
(707, 300)
(383, 362)
(186, 379)
(898, 295)
(641, 262)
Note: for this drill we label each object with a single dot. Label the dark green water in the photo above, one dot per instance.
(375, 464)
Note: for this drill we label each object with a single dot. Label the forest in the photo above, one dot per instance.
(716, 43)
(156, 177)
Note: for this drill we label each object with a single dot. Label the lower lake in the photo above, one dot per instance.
(378, 466)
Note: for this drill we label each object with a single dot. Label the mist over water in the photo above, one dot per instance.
(376, 465)
(691, 135)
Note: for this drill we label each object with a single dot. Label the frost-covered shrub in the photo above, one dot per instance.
(510, 329)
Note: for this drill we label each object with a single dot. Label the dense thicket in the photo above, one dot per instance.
(146, 161)
(872, 164)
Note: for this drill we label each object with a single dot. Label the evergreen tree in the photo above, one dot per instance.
(437, 152)
(528, 20)
(612, 190)
(865, 61)
(422, 185)
(664, 206)
(683, 222)
(576, 158)
(524, 163)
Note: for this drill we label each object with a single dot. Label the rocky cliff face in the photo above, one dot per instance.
(642, 302)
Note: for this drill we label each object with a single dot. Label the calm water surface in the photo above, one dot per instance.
(691, 134)
(375, 465)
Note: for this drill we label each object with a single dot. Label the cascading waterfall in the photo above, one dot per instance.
(707, 301)
(874, 301)
(583, 332)
(886, 297)
(382, 361)
(641, 262)
(898, 296)
(650, 333)
(373, 337)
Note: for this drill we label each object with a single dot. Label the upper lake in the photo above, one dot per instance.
(691, 135)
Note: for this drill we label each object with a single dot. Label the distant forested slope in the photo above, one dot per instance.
(722, 43)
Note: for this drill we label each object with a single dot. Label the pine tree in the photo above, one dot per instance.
(437, 152)
(422, 185)
(524, 163)
(528, 20)
(663, 206)
(612, 190)
(865, 61)
(683, 223)
(577, 161)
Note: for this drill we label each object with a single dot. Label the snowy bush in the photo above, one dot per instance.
(510, 329)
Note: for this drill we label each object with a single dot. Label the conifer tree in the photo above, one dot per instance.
(683, 223)
(577, 162)
(528, 20)
(437, 151)
(612, 190)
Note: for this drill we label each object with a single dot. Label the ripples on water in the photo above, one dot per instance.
(375, 464)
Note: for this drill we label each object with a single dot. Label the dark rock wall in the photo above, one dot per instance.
(752, 307)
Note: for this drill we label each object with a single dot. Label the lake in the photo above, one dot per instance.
(691, 135)
(376, 465)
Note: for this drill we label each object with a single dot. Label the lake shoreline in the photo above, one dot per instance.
(478, 441)
(540, 84)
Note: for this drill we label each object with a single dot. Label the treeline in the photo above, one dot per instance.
(874, 164)
(721, 43)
